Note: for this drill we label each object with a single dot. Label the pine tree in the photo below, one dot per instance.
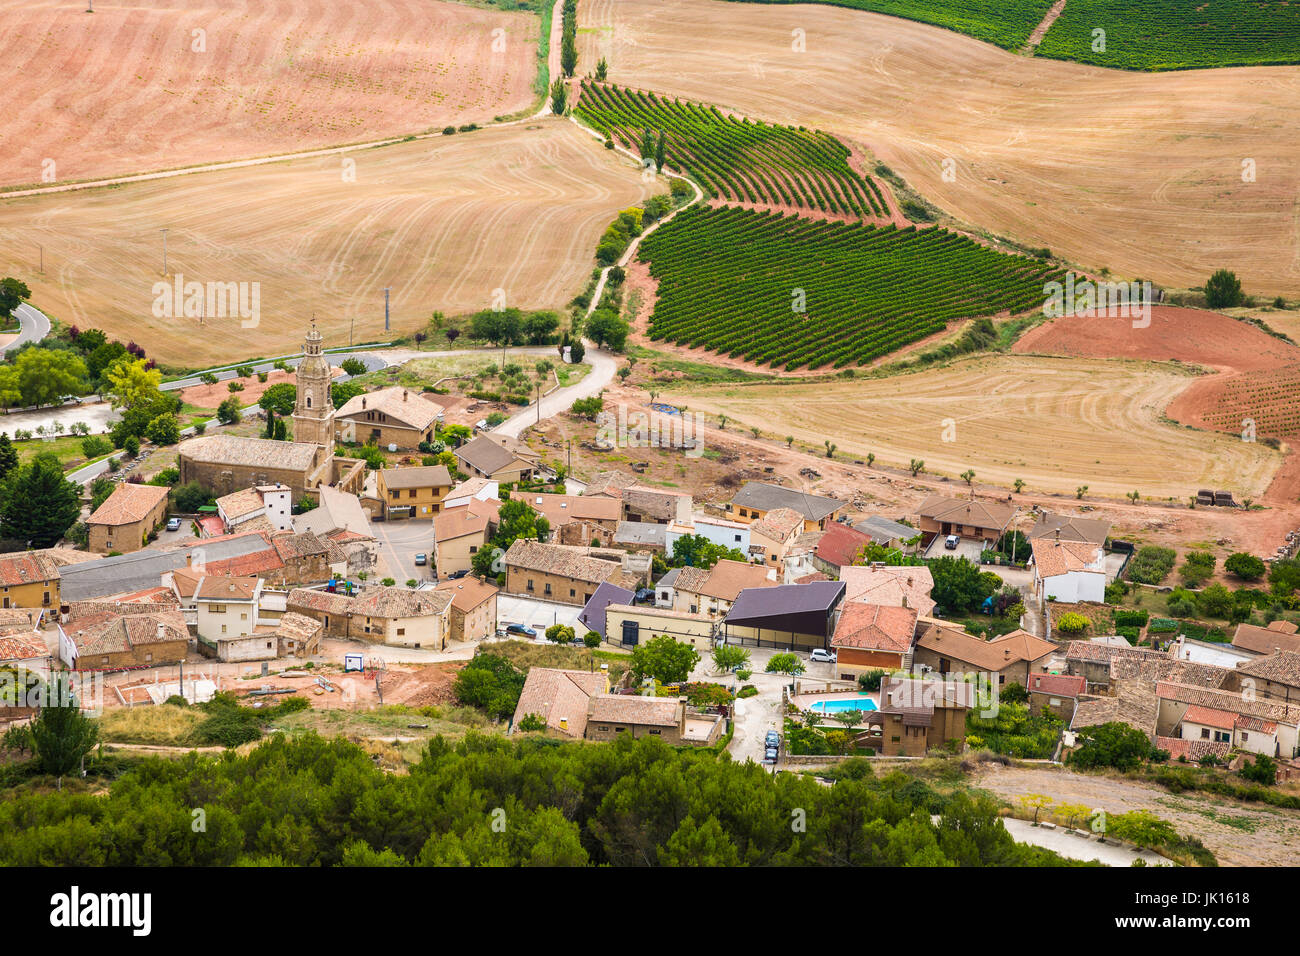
(40, 504)
(61, 734)
(659, 153)
(8, 457)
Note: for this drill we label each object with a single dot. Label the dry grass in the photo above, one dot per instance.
(1141, 173)
(125, 91)
(526, 655)
(163, 725)
(443, 222)
(1056, 423)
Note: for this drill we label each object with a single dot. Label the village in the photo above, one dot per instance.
(784, 626)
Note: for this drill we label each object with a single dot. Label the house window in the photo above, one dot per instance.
(268, 645)
(411, 493)
(655, 733)
(548, 588)
(148, 657)
(572, 593)
(530, 584)
(401, 631)
(1205, 733)
(1244, 736)
(473, 549)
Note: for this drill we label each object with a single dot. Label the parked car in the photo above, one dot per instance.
(458, 574)
(521, 630)
(951, 542)
(822, 655)
(421, 560)
(173, 524)
(773, 739)
(770, 755)
(643, 594)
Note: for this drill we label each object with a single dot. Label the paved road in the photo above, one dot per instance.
(1076, 845)
(35, 326)
(603, 365)
(371, 359)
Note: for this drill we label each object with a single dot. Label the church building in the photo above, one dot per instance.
(226, 463)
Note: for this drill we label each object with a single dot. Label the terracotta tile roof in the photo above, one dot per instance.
(224, 587)
(405, 406)
(1014, 648)
(553, 694)
(1264, 640)
(249, 452)
(26, 567)
(1192, 750)
(610, 483)
(128, 504)
(297, 627)
(28, 617)
(1246, 722)
(635, 709)
(1281, 668)
(320, 601)
(425, 476)
(1053, 558)
(815, 576)
(1056, 685)
(399, 602)
(840, 545)
(1231, 701)
(472, 518)
(690, 579)
(158, 595)
(23, 647)
(778, 524)
(114, 634)
(1286, 627)
(237, 504)
(1071, 528)
(875, 627)
(877, 584)
(990, 515)
(468, 592)
(728, 578)
(561, 509)
(1210, 717)
(904, 695)
(563, 561)
(304, 544)
(258, 562)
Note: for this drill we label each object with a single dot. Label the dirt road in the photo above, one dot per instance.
(1239, 834)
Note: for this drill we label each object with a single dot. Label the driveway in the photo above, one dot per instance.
(539, 615)
(966, 548)
(399, 542)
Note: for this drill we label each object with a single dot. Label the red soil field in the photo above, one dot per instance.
(134, 88)
(1257, 377)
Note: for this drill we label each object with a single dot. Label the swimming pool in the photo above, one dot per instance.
(842, 704)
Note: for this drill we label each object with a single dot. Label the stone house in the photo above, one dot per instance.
(127, 517)
(388, 416)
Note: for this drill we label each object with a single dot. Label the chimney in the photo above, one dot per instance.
(189, 560)
(363, 402)
(162, 632)
(405, 394)
(904, 600)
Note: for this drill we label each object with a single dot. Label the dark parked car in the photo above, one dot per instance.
(773, 739)
(770, 755)
(458, 574)
(521, 630)
(643, 594)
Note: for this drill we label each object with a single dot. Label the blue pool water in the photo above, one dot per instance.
(847, 703)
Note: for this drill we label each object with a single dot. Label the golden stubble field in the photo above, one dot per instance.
(1055, 423)
(445, 222)
(1141, 173)
(135, 87)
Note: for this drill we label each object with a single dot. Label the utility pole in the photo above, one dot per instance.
(539, 402)
(164, 234)
(350, 329)
(42, 248)
(386, 308)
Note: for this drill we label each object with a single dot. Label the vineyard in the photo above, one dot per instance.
(1004, 23)
(736, 159)
(786, 291)
(1176, 34)
(1270, 399)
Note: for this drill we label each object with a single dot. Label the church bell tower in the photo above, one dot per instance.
(313, 413)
